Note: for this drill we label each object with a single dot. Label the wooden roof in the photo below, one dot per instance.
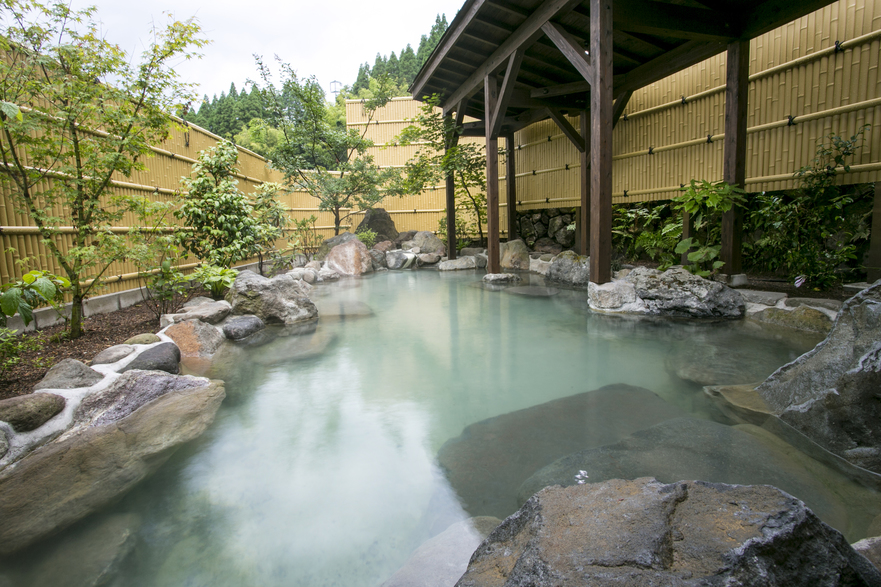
(652, 39)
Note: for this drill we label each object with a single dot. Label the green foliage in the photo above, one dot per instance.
(230, 114)
(659, 244)
(706, 202)
(84, 112)
(34, 289)
(812, 234)
(644, 227)
(329, 162)
(167, 290)
(305, 238)
(440, 155)
(259, 137)
(12, 346)
(272, 222)
(220, 223)
(367, 236)
(215, 279)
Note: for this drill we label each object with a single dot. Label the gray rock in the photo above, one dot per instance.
(380, 222)
(700, 449)
(458, 264)
(280, 300)
(211, 312)
(428, 242)
(644, 532)
(547, 245)
(69, 374)
(4, 443)
(527, 228)
(332, 242)
(405, 236)
(676, 292)
(482, 260)
(162, 357)
(565, 237)
(570, 268)
(91, 466)
(539, 266)
(305, 274)
(833, 305)
(514, 255)
(378, 257)
(618, 295)
(240, 327)
(90, 556)
(721, 364)
(440, 562)
(501, 278)
(490, 459)
(146, 338)
(830, 392)
(871, 549)
(557, 223)
(113, 354)
(801, 318)
(428, 258)
(384, 246)
(327, 274)
(195, 338)
(472, 251)
(197, 301)
(349, 258)
(397, 259)
(29, 412)
(314, 265)
(767, 298)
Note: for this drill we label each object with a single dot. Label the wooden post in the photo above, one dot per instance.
(601, 108)
(491, 92)
(511, 187)
(451, 216)
(873, 263)
(584, 159)
(736, 102)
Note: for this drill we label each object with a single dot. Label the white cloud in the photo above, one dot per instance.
(328, 40)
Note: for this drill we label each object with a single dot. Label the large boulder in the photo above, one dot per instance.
(332, 242)
(397, 259)
(378, 257)
(207, 311)
(571, 268)
(195, 338)
(280, 300)
(490, 459)
(380, 222)
(830, 394)
(121, 434)
(404, 237)
(427, 243)
(162, 357)
(349, 258)
(458, 264)
(801, 318)
(113, 354)
(674, 292)
(27, 412)
(547, 245)
(686, 533)
(239, 327)
(69, 374)
(514, 255)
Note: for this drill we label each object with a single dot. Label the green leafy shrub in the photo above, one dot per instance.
(167, 289)
(215, 279)
(12, 346)
(305, 238)
(34, 289)
(367, 236)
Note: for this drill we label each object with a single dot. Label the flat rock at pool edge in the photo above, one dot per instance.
(69, 374)
(29, 412)
(239, 327)
(146, 338)
(686, 533)
(490, 459)
(689, 448)
(459, 264)
(113, 354)
(162, 357)
(802, 318)
(211, 312)
(195, 338)
(280, 300)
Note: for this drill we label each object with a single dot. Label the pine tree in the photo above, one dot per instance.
(392, 69)
(408, 66)
(363, 79)
(379, 67)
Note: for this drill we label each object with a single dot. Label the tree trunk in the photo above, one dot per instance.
(76, 315)
(336, 221)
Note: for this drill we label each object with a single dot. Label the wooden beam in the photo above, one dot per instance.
(774, 13)
(670, 20)
(667, 64)
(584, 159)
(491, 95)
(570, 48)
(511, 187)
(509, 8)
(873, 263)
(451, 140)
(570, 88)
(524, 36)
(449, 40)
(506, 91)
(734, 171)
(601, 53)
(568, 129)
(621, 100)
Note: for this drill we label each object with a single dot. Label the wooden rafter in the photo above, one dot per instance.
(568, 130)
(570, 48)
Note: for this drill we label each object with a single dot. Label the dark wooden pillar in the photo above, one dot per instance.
(736, 101)
(451, 216)
(491, 91)
(873, 264)
(601, 108)
(511, 186)
(584, 159)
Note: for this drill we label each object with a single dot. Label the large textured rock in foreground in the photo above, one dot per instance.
(643, 532)
(121, 435)
(27, 412)
(490, 459)
(675, 292)
(280, 300)
(831, 393)
(427, 243)
(569, 267)
(349, 258)
(514, 255)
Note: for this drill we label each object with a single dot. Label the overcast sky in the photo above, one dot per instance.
(326, 39)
